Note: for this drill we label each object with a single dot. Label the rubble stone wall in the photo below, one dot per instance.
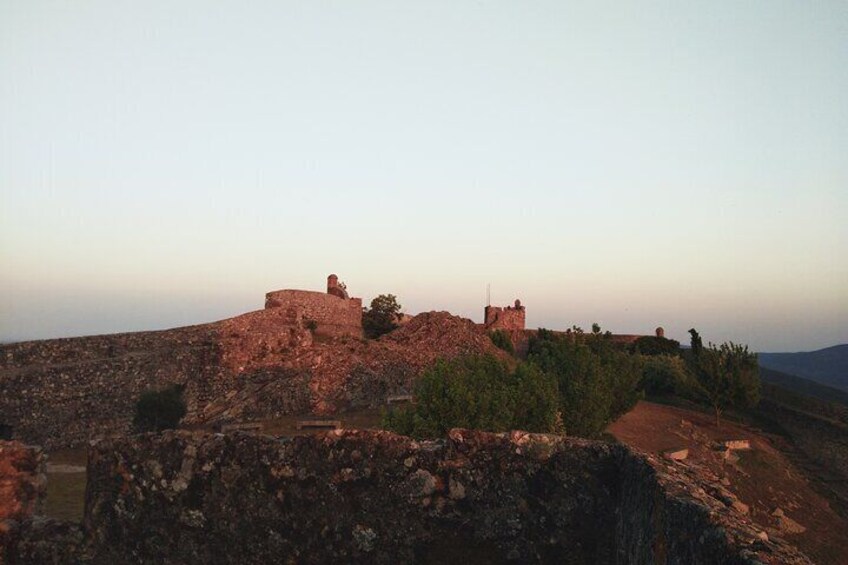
(22, 480)
(375, 497)
(23, 485)
(335, 316)
(62, 392)
(504, 318)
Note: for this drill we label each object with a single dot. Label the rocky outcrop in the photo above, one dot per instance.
(375, 497)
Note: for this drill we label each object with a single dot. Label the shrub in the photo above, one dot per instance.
(654, 345)
(667, 374)
(159, 410)
(478, 392)
(597, 383)
(310, 325)
(502, 340)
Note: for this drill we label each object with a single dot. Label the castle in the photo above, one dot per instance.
(504, 318)
(335, 313)
(331, 314)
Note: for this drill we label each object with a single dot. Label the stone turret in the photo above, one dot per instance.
(336, 288)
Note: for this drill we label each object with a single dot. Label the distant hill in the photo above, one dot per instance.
(805, 387)
(827, 366)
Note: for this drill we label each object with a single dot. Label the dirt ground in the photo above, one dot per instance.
(779, 497)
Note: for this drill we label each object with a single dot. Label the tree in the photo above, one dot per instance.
(727, 376)
(159, 410)
(478, 392)
(666, 374)
(382, 317)
(596, 382)
(695, 342)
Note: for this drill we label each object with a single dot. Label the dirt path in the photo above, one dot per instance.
(778, 495)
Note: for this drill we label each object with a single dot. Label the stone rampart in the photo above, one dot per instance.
(510, 318)
(334, 315)
(375, 497)
(63, 392)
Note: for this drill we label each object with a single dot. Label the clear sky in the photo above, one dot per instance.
(632, 163)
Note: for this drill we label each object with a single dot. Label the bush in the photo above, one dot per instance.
(159, 410)
(653, 345)
(667, 374)
(477, 392)
(597, 383)
(502, 340)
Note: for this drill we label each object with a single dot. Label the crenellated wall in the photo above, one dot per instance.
(509, 318)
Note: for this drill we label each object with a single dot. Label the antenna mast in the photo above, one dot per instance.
(488, 294)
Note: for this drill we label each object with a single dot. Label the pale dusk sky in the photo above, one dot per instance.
(632, 163)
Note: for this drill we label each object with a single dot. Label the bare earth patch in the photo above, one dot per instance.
(775, 494)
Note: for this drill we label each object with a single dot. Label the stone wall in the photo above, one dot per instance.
(508, 318)
(23, 486)
(22, 480)
(66, 391)
(375, 497)
(335, 316)
(260, 365)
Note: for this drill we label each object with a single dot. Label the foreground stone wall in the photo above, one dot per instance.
(375, 497)
(22, 489)
(22, 480)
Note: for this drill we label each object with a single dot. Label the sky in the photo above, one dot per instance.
(636, 164)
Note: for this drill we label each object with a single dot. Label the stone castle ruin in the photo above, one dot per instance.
(504, 318)
(334, 313)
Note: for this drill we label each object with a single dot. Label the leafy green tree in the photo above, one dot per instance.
(502, 340)
(382, 317)
(728, 376)
(159, 410)
(596, 382)
(477, 392)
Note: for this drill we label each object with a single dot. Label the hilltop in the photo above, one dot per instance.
(62, 392)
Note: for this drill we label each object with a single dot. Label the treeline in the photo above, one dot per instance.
(574, 383)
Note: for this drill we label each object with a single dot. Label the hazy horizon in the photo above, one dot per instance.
(636, 165)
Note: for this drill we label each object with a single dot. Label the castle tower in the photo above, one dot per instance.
(336, 288)
(504, 317)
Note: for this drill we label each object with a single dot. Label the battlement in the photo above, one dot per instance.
(504, 317)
